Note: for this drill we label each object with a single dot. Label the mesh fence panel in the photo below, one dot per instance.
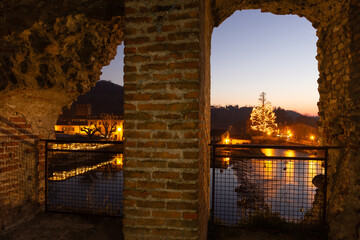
(249, 186)
(85, 178)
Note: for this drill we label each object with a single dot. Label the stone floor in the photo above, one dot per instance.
(225, 233)
(53, 226)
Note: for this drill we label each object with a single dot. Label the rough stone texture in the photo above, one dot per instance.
(338, 57)
(53, 64)
(337, 24)
(51, 52)
(206, 27)
(318, 12)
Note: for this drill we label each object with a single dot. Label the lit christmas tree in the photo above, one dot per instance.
(262, 117)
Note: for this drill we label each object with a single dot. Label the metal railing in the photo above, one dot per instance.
(262, 183)
(84, 177)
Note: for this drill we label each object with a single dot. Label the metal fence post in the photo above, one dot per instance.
(325, 183)
(46, 176)
(213, 185)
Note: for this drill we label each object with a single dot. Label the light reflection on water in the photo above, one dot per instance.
(279, 186)
(92, 189)
(116, 161)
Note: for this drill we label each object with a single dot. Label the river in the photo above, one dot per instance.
(94, 189)
(280, 187)
(242, 187)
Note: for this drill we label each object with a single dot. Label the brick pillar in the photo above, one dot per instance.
(167, 120)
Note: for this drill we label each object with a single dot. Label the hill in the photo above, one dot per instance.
(104, 97)
(107, 97)
(238, 118)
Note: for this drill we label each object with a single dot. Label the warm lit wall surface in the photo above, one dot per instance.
(167, 129)
(51, 53)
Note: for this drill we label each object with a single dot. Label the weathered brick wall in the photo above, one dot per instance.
(21, 172)
(166, 121)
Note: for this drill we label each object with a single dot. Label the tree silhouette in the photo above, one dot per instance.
(109, 122)
(262, 117)
(90, 130)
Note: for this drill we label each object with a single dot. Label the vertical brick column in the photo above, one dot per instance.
(166, 183)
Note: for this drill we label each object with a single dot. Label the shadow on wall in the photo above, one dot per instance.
(20, 171)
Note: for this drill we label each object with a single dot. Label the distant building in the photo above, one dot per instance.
(220, 136)
(83, 109)
(78, 126)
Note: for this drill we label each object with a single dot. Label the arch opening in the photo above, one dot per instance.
(253, 53)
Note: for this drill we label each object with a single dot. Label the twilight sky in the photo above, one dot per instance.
(254, 52)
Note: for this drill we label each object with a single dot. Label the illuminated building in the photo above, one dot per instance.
(78, 127)
(221, 136)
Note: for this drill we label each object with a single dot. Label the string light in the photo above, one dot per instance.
(262, 117)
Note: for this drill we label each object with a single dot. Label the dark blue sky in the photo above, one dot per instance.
(254, 52)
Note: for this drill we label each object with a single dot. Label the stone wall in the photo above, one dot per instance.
(51, 65)
(50, 53)
(206, 27)
(338, 56)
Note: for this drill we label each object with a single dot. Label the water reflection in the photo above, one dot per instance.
(92, 189)
(314, 168)
(269, 151)
(250, 186)
(289, 153)
(268, 169)
(289, 172)
(115, 162)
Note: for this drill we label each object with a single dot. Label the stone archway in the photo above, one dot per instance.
(50, 53)
(46, 66)
(336, 56)
(160, 33)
